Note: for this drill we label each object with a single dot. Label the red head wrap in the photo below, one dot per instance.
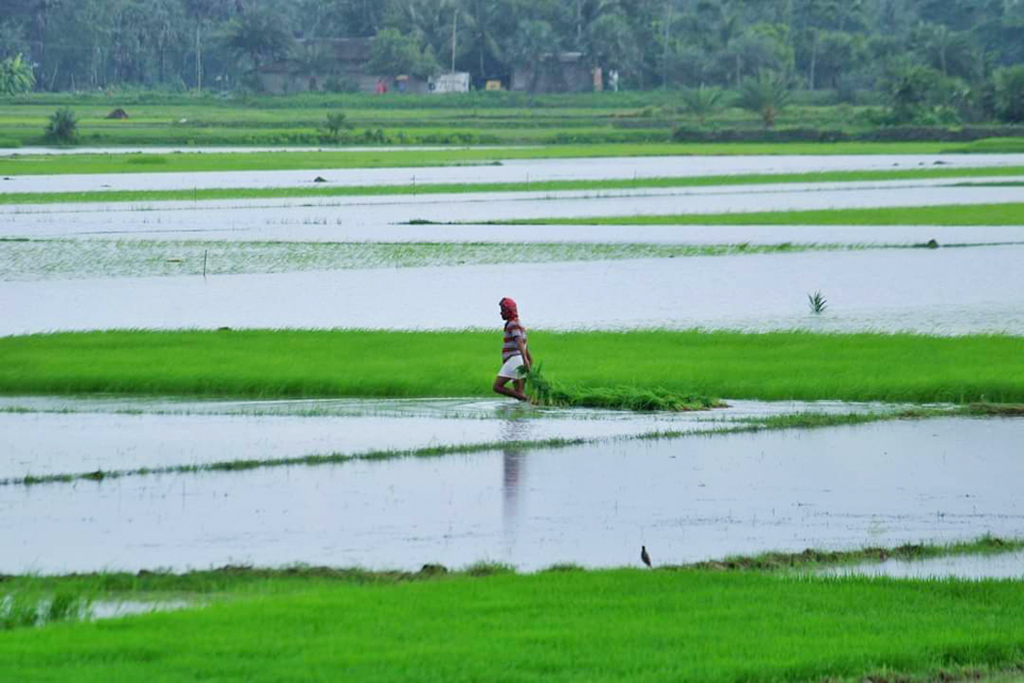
(508, 309)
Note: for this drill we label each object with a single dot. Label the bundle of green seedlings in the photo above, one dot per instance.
(544, 392)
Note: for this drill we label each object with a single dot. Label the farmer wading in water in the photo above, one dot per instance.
(514, 353)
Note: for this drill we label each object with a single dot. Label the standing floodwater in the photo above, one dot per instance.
(686, 499)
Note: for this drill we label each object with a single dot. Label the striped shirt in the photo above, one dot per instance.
(513, 330)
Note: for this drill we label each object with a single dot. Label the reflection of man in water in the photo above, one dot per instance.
(514, 353)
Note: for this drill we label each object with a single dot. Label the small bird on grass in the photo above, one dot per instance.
(644, 556)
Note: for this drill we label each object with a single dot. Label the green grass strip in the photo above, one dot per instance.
(613, 625)
(361, 363)
(412, 158)
(239, 580)
(410, 188)
(959, 214)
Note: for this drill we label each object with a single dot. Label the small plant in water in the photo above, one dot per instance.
(817, 302)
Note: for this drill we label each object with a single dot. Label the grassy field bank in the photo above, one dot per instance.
(567, 625)
(412, 158)
(960, 214)
(412, 188)
(263, 363)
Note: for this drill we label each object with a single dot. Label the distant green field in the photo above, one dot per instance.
(412, 158)
(475, 118)
(263, 363)
(960, 214)
(615, 625)
(412, 188)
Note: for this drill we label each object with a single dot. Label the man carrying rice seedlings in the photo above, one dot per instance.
(515, 356)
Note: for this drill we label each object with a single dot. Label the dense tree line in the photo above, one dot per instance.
(922, 53)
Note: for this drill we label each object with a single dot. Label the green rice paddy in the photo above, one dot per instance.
(960, 214)
(762, 618)
(488, 624)
(365, 363)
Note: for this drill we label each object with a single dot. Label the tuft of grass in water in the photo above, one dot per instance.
(817, 302)
(27, 608)
(546, 393)
(18, 611)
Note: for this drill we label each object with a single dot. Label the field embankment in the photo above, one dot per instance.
(972, 214)
(411, 189)
(59, 164)
(360, 363)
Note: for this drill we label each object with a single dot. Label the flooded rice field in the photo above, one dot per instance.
(47, 436)
(328, 213)
(697, 497)
(312, 228)
(943, 291)
(506, 171)
(87, 259)
(686, 499)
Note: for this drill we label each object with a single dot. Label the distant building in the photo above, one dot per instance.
(449, 83)
(564, 72)
(342, 67)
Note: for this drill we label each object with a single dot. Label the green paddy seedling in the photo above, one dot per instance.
(545, 393)
(817, 302)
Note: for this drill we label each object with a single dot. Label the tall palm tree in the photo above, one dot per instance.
(533, 45)
(483, 31)
(767, 95)
(258, 35)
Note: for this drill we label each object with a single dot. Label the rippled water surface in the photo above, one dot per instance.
(686, 499)
(944, 291)
(71, 436)
(324, 216)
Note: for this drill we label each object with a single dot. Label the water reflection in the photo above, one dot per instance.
(514, 430)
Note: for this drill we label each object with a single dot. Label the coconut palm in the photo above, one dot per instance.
(533, 45)
(15, 76)
(258, 36)
(484, 23)
(766, 94)
(702, 101)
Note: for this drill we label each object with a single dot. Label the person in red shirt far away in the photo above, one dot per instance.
(514, 353)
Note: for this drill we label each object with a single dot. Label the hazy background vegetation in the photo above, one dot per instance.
(931, 61)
